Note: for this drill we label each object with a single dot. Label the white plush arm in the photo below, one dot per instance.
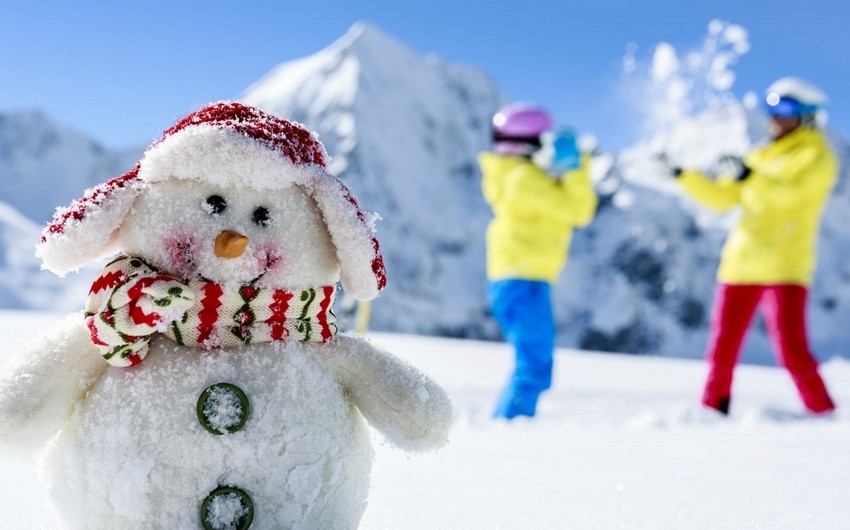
(41, 383)
(402, 403)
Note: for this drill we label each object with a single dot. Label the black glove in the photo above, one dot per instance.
(744, 173)
(732, 165)
(666, 166)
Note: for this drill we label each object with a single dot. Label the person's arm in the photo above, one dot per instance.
(581, 195)
(720, 194)
(491, 180)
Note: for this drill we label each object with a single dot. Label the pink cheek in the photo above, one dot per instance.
(270, 258)
(179, 252)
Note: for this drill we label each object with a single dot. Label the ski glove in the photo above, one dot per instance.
(566, 153)
(664, 161)
(732, 165)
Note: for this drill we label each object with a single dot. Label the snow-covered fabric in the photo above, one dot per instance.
(233, 145)
(131, 300)
(44, 381)
(85, 230)
(303, 454)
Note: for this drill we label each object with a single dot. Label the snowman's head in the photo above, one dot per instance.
(231, 195)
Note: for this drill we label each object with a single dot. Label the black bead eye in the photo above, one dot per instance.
(215, 204)
(262, 217)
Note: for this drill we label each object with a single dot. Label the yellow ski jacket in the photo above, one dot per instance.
(534, 216)
(781, 202)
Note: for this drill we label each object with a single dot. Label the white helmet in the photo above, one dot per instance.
(799, 89)
(795, 97)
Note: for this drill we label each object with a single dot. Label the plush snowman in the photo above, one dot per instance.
(205, 385)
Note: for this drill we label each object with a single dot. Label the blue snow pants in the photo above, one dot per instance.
(523, 309)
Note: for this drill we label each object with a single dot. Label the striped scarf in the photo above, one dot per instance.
(131, 300)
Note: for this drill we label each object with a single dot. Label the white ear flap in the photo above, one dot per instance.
(85, 230)
(362, 266)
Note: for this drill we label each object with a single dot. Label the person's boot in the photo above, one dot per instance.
(516, 402)
(721, 405)
(814, 393)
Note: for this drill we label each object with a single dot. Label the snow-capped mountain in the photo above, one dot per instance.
(22, 283)
(44, 165)
(405, 130)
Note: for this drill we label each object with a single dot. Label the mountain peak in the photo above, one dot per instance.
(363, 29)
(337, 69)
(365, 38)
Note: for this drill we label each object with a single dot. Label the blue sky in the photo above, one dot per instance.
(123, 72)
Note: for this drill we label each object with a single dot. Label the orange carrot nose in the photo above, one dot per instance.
(230, 244)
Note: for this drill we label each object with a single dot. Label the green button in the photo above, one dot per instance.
(227, 508)
(223, 408)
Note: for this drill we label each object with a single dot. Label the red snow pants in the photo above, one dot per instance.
(783, 308)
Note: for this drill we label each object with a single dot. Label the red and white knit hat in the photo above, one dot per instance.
(233, 145)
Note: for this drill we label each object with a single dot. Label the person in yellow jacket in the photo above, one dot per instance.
(769, 258)
(538, 194)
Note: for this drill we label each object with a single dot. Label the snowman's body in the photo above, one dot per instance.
(229, 402)
(135, 455)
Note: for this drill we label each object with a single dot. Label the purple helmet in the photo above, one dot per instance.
(517, 128)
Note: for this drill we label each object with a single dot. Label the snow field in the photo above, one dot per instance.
(620, 442)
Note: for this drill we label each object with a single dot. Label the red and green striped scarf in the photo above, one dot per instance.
(130, 301)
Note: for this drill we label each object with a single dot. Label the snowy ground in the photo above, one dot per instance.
(619, 443)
